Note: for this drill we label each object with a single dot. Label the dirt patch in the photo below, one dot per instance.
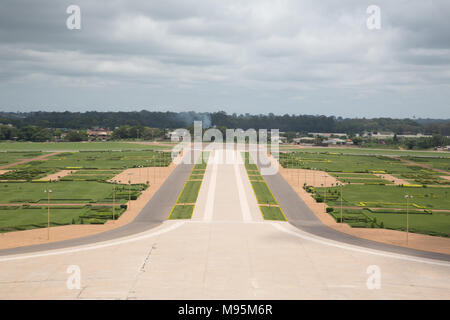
(43, 157)
(313, 178)
(3, 171)
(39, 236)
(141, 175)
(446, 177)
(394, 237)
(58, 175)
(389, 177)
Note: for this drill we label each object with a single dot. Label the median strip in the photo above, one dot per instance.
(185, 204)
(266, 201)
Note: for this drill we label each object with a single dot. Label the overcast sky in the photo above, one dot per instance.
(255, 56)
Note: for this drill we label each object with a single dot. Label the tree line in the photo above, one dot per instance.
(173, 120)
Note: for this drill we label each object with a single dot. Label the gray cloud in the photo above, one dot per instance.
(283, 56)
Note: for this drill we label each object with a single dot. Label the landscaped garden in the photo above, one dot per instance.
(84, 196)
(370, 201)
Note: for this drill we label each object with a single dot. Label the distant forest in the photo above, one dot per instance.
(295, 123)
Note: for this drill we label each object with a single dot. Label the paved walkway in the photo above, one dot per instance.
(225, 251)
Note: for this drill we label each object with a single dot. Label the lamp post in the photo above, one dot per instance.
(407, 197)
(325, 183)
(114, 200)
(341, 200)
(305, 174)
(48, 191)
(129, 192)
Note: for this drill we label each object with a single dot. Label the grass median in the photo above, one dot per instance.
(266, 201)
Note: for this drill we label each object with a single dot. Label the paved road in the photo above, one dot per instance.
(225, 251)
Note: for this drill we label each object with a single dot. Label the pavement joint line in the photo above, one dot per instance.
(139, 236)
(209, 208)
(246, 216)
(307, 236)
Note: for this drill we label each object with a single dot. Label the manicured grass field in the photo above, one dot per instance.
(196, 177)
(442, 163)
(182, 212)
(272, 213)
(76, 146)
(437, 223)
(262, 193)
(65, 192)
(365, 190)
(85, 186)
(102, 160)
(255, 178)
(11, 157)
(391, 196)
(190, 192)
(344, 163)
(367, 151)
(23, 218)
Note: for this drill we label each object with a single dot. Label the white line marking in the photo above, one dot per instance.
(246, 216)
(358, 249)
(209, 207)
(139, 236)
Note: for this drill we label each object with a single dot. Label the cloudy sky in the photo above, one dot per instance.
(255, 56)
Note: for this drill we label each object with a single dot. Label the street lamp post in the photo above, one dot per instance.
(325, 183)
(407, 197)
(114, 200)
(341, 201)
(129, 192)
(48, 191)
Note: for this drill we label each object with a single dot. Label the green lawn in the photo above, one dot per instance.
(182, 212)
(23, 218)
(11, 157)
(102, 160)
(262, 193)
(76, 146)
(65, 192)
(442, 163)
(333, 162)
(190, 192)
(391, 196)
(437, 223)
(368, 151)
(272, 213)
(196, 177)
